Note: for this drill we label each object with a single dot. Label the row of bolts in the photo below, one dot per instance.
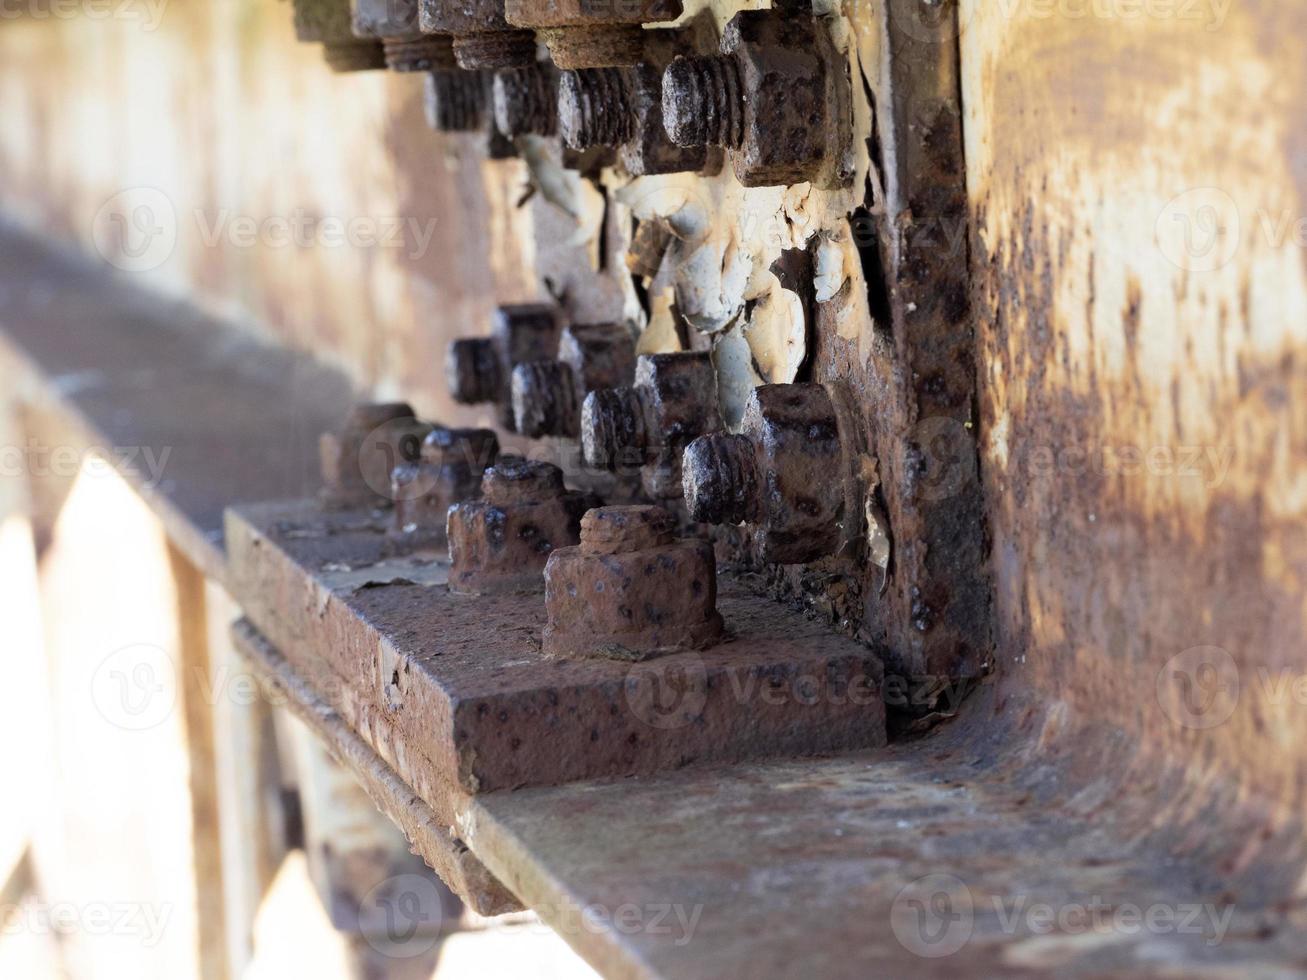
(608, 84)
(618, 582)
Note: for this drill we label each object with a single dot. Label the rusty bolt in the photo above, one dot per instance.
(406, 48)
(547, 395)
(793, 472)
(591, 33)
(482, 37)
(622, 107)
(501, 542)
(357, 461)
(329, 23)
(631, 590)
(450, 469)
(774, 98)
(526, 101)
(454, 100)
(673, 401)
(479, 370)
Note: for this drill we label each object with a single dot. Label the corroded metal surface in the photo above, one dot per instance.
(467, 682)
(631, 591)
(970, 853)
(426, 830)
(1141, 304)
(502, 542)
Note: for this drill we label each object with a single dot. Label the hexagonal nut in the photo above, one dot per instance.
(451, 469)
(782, 70)
(795, 432)
(357, 461)
(630, 593)
(463, 17)
(650, 150)
(501, 543)
(581, 13)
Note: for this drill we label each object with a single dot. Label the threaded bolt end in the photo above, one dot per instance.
(612, 427)
(514, 481)
(429, 53)
(621, 530)
(594, 45)
(473, 448)
(719, 476)
(495, 49)
(454, 100)
(544, 400)
(354, 55)
(594, 108)
(526, 101)
(472, 371)
(703, 102)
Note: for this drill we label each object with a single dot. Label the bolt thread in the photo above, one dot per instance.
(544, 400)
(454, 100)
(354, 55)
(620, 530)
(495, 49)
(594, 108)
(703, 102)
(594, 45)
(719, 475)
(612, 427)
(526, 101)
(472, 371)
(428, 53)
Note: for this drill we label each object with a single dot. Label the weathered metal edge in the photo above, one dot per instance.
(431, 839)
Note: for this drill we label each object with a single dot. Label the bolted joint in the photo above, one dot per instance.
(424, 53)
(473, 371)
(631, 590)
(357, 460)
(547, 395)
(516, 481)
(544, 399)
(526, 101)
(353, 55)
(454, 100)
(720, 479)
(594, 108)
(495, 49)
(703, 102)
(613, 432)
(450, 468)
(674, 400)
(501, 542)
(796, 472)
(622, 530)
(594, 45)
(479, 370)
